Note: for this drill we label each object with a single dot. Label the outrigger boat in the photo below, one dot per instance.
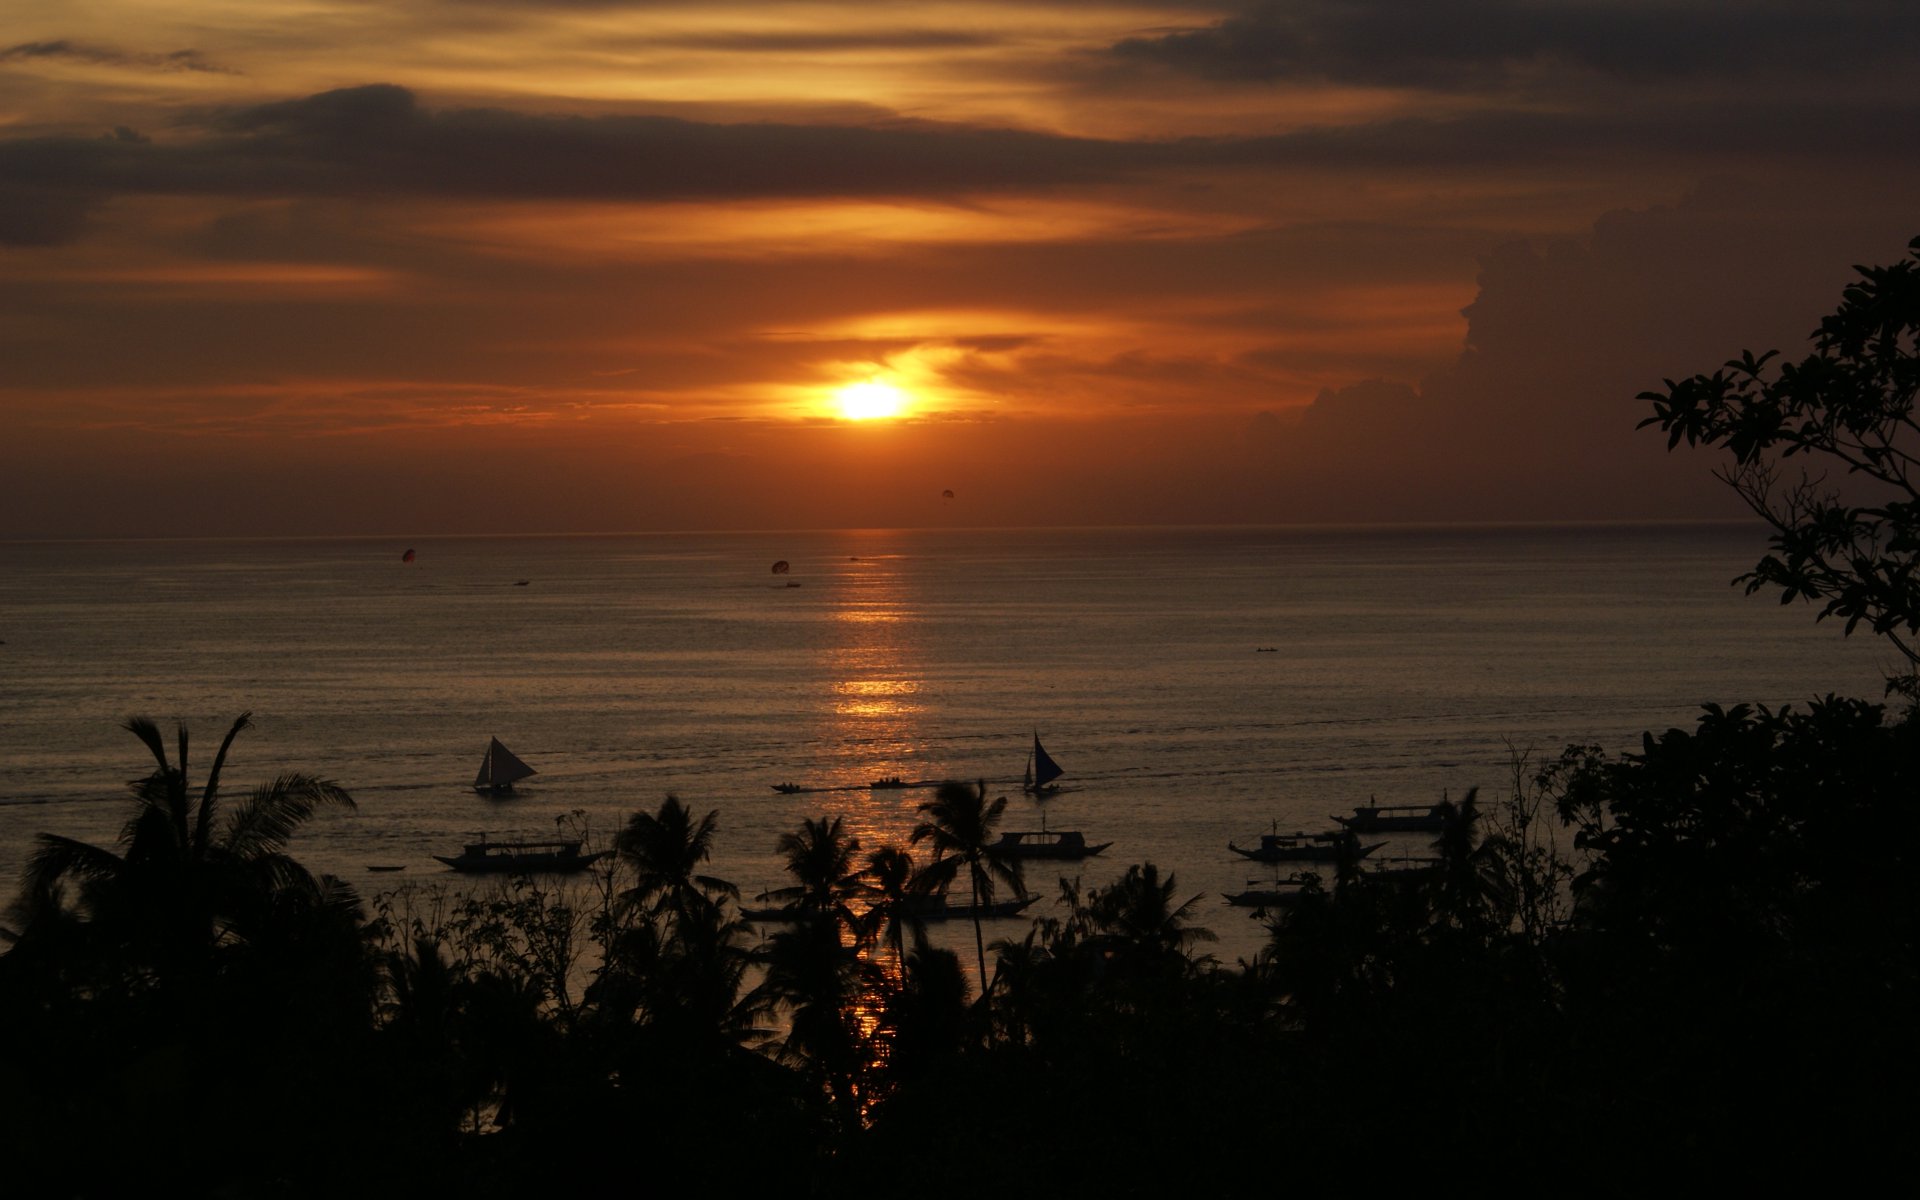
(1306, 847)
(522, 858)
(1279, 893)
(938, 908)
(923, 908)
(772, 912)
(1047, 843)
(1405, 871)
(1397, 818)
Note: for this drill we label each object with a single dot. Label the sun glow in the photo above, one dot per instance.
(870, 400)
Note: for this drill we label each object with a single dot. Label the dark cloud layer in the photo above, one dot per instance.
(1562, 337)
(379, 140)
(828, 43)
(1479, 43)
(108, 56)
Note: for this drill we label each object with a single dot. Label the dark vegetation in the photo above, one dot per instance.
(1698, 959)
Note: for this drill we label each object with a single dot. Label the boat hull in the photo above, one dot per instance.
(1301, 854)
(1262, 898)
(1056, 844)
(522, 864)
(966, 912)
(1056, 853)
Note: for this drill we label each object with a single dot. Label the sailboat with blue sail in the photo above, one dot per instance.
(500, 769)
(1042, 771)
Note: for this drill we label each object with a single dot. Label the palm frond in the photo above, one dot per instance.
(149, 733)
(937, 876)
(56, 858)
(210, 794)
(268, 817)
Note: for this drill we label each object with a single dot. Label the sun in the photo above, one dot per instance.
(870, 400)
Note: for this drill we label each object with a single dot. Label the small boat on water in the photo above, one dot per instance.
(1306, 847)
(769, 912)
(1047, 843)
(1280, 893)
(788, 789)
(886, 782)
(522, 858)
(500, 769)
(937, 908)
(1405, 871)
(1396, 818)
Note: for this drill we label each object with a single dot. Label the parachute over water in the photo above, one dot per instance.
(408, 556)
(947, 495)
(781, 568)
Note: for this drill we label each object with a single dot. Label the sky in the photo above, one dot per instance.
(303, 267)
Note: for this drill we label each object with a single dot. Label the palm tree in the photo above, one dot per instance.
(1468, 883)
(820, 982)
(960, 824)
(895, 893)
(187, 882)
(1136, 918)
(819, 856)
(665, 850)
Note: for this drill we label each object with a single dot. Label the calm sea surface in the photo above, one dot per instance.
(1402, 663)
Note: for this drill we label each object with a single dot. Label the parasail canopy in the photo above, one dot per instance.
(408, 556)
(947, 495)
(781, 568)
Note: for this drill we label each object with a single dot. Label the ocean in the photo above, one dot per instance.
(1198, 685)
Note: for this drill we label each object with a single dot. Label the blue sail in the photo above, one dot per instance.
(1045, 770)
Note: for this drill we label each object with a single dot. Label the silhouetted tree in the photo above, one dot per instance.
(187, 881)
(1848, 406)
(1139, 928)
(819, 856)
(195, 978)
(926, 1017)
(665, 850)
(821, 983)
(960, 824)
(1744, 934)
(895, 896)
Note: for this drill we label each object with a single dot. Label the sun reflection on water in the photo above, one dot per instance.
(876, 698)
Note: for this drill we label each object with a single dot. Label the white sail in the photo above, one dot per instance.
(500, 768)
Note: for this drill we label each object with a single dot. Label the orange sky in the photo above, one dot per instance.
(326, 266)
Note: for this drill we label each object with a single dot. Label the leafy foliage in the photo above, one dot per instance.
(1847, 407)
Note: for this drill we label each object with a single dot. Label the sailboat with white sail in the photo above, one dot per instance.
(500, 769)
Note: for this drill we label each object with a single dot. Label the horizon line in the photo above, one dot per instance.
(1585, 523)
